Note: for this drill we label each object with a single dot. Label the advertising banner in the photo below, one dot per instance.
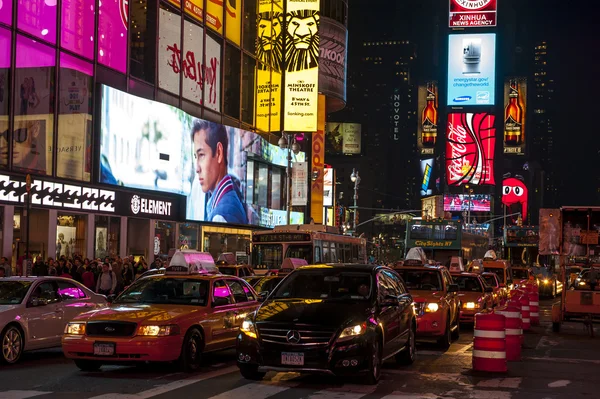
(550, 232)
(301, 65)
(426, 171)
(201, 82)
(274, 217)
(214, 15)
(519, 237)
(464, 202)
(428, 124)
(471, 69)
(269, 53)
(343, 138)
(149, 145)
(317, 165)
(472, 13)
(299, 183)
(332, 58)
(328, 187)
(515, 113)
(470, 146)
(233, 20)
(515, 192)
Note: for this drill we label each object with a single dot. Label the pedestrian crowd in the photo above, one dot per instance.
(108, 276)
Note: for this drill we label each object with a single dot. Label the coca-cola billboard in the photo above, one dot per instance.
(472, 13)
(470, 146)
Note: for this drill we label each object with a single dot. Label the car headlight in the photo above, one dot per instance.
(470, 305)
(582, 283)
(248, 328)
(75, 329)
(158, 331)
(353, 331)
(432, 307)
(546, 281)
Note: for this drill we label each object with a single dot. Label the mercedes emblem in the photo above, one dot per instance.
(293, 337)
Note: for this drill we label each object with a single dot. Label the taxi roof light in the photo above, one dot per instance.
(191, 262)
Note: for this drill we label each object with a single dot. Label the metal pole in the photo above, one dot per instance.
(289, 178)
(26, 265)
(356, 182)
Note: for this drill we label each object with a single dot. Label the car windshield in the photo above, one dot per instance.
(427, 280)
(520, 274)
(13, 292)
(267, 284)
(498, 271)
(230, 271)
(166, 291)
(325, 284)
(468, 284)
(490, 280)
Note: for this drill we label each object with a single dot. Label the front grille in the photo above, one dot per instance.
(110, 328)
(309, 334)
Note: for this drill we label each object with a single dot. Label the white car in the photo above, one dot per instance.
(35, 310)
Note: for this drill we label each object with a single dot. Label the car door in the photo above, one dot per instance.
(74, 300)
(224, 329)
(389, 315)
(45, 316)
(405, 302)
(244, 298)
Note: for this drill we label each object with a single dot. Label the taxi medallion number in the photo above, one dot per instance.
(292, 359)
(104, 349)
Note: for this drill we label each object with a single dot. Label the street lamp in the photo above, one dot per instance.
(288, 142)
(355, 178)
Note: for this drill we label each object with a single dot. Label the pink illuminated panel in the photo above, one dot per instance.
(4, 48)
(112, 34)
(6, 11)
(77, 29)
(68, 61)
(38, 17)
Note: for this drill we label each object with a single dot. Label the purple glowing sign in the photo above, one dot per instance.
(112, 34)
(38, 17)
(70, 62)
(31, 54)
(6, 12)
(77, 29)
(4, 48)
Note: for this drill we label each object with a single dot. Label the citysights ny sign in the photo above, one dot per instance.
(472, 13)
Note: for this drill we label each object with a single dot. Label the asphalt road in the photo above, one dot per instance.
(553, 366)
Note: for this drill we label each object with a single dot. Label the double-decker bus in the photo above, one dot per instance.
(442, 239)
(521, 245)
(311, 242)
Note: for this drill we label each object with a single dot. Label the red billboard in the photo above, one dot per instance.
(472, 13)
(470, 146)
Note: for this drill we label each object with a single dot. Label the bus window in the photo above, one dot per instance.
(318, 257)
(267, 256)
(347, 253)
(326, 252)
(355, 257)
(304, 251)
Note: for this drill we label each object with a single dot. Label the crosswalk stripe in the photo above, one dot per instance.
(21, 394)
(252, 390)
(327, 394)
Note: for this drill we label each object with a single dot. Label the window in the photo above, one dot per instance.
(38, 18)
(112, 36)
(249, 25)
(74, 146)
(70, 291)
(276, 188)
(5, 46)
(250, 181)
(233, 20)
(248, 92)
(45, 293)
(396, 282)
(221, 294)
(77, 29)
(142, 50)
(238, 291)
(169, 44)
(263, 189)
(231, 101)
(34, 101)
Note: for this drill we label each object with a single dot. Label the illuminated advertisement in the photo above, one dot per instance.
(299, 183)
(154, 146)
(515, 113)
(470, 145)
(201, 81)
(301, 65)
(428, 122)
(328, 185)
(515, 236)
(471, 69)
(112, 33)
(426, 171)
(318, 164)
(343, 138)
(550, 232)
(466, 202)
(214, 13)
(472, 13)
(515, 192)
(332, 58)
(269, 52)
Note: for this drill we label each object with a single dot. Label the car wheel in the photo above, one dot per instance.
(88, 365)
(191, 351)
(446, 340)
(408, 355)
(12, 344)
(375, 362)
(251, 372)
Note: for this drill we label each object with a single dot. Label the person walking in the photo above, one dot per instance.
(107, 281)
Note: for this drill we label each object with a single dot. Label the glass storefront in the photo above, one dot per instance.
(138, 237)
(107, 235)
(188, 235)
(218, 240)
(164, 238)
(70, 235)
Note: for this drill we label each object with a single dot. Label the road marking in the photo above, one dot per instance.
(252, 390)
(116, 396)
(329, 394)
(559, 384)
(402, 395)
(475, 394)
(562, 360)
(465, 349)
(21, 394)
(512, 383)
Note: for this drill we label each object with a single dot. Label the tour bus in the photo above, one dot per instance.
(311, 242)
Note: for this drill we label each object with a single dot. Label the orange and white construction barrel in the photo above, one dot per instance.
(513, 328)
(489, 343)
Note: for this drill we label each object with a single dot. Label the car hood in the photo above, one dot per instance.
(470, 296)
(139, 313)
(328, 313)
(426, 296)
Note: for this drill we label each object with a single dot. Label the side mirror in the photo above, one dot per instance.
(489, 289)
(453, 288)
(262, 296)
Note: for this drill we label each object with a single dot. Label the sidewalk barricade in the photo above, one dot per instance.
(513, 328)
(489, 344)
(515, 302)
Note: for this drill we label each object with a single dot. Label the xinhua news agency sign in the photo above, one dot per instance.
(472, 13)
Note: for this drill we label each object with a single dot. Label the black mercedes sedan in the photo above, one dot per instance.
(337, 319)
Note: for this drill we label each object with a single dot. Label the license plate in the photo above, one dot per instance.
(104, 349)
(292, 359)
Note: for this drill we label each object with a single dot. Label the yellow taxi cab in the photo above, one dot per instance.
(502, 269)
(498, 295)
(189, 310)
(435, 298)
(235, 270)
(475, 295)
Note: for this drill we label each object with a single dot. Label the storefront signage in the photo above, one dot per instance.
(317, 165)
(140, 205)
(57, 195)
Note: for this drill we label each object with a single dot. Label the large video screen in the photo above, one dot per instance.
(471, 69)
(464, 202)
(155, 146)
